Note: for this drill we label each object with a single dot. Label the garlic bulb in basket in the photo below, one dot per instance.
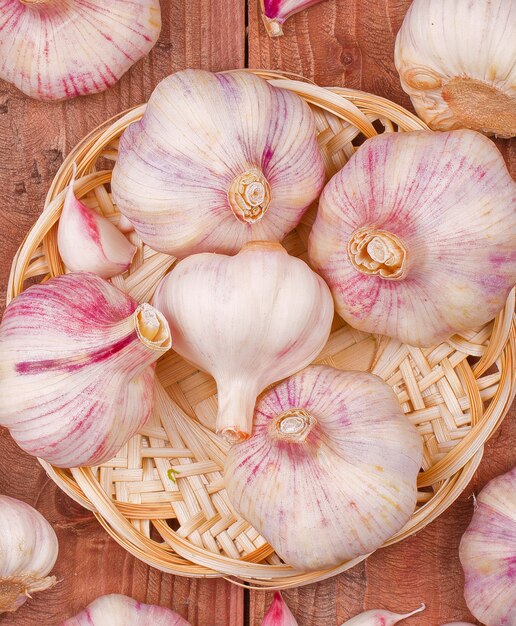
(276, 12)
(380, 617)
(28, 551)
(217, 160)
(77, 368)
(456, 62)
(54, 50)
(118, 610)
(330, 471)
(278, 613)
(248, 320)
(488, 554)
(416, 235)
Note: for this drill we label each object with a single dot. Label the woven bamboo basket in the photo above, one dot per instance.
(455, 393)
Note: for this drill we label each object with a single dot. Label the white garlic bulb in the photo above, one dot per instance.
(416, 235)
(380, 617)
(28, 552)
(118, 610)
(276, 12)
(248, 320)
(456, 62)
(488, 554)
(330, 471)
(77, 361)
(59, 49)
(217, 160)
(278, 613)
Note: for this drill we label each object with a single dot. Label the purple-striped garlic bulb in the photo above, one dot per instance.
(77, 359)
(278, 613)
(118, 610)
(330, 471)
(488, 553)
(276, 12)
(216, 161)
(59, 49)
(380, 617)
(416, 235)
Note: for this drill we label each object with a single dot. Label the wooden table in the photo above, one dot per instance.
(338, 42)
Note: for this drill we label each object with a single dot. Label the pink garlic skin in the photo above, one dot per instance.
(119, 610)
(488, 554)
(459, 624)
(279, 614)
(380, 617)
(276, 12)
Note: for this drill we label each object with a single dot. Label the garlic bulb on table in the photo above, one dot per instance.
(28, 552)
(278, 613)
(77, 363)
(330, 471)
(488, 554)
(118, 610)
(276, 12)
(456, 62)
(416, 235)
(248, 320)
(59, 49)
(217, 160)
(380, 617)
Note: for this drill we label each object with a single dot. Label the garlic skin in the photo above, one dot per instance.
(216, 161)
(488, 553)
(416, 235)
(118, 610)
(309, 431)
(279, 614)
(89, 242)
(28, 552)
(276, 12)
(248, 320)
(60, 49)
(77, 360)
(456, 62)
(380, 617)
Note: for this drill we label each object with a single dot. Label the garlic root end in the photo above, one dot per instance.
(15, 591)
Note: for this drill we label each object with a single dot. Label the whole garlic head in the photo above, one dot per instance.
(77, 360)
(416, 235)
(28, 552)
(488, 554)
(217, 160)
(456, 62)
(248, 320)
(330, 471)
(59, 49)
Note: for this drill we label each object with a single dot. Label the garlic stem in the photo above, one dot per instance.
(249, 196)
(150, 324)
(273, 27)
(294, 425)
(373, 251)
(235, 410)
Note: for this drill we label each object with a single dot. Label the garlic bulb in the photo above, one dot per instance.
(28, 551)
(276, 12)
(59, 49)
(77, 367)
(380, 617)
(416, 235)
(456, 62)
(279, 614)
(89, 242)
(488, 554)
(335, 446)
(248, 320)
(216, 161)
(118, 610)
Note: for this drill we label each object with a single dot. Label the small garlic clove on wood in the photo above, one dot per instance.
(28, 552)
(89, 242)
(380, 617)
(276, 12)
(278, 613)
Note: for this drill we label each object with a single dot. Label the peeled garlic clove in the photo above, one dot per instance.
(279, 614)
(276, 12)
(89, 242)
(248, 320)
(216, 161)
(488, 554)
(456, 62)
(28, 552)
(118, 610)
(380, 617)
(55, 50)
(77, 361)
(416, 235)
(335, 446)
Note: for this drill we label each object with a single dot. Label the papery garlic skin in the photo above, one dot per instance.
(118, 610)
(456, 62)
(330, 471)
(276, 12)
(488, 554)
(416, 235)
(77, 359)
(28, 552)
(60, 49)
(380, 617)
(89, 242)
(278, 613)
(248, 320)
(216, 161)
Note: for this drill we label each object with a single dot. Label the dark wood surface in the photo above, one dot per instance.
(338, 42)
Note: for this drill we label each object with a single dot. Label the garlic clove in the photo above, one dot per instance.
(279, 614)
(89, 242)
(55, 50)
(380, 617)
(276, 12)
